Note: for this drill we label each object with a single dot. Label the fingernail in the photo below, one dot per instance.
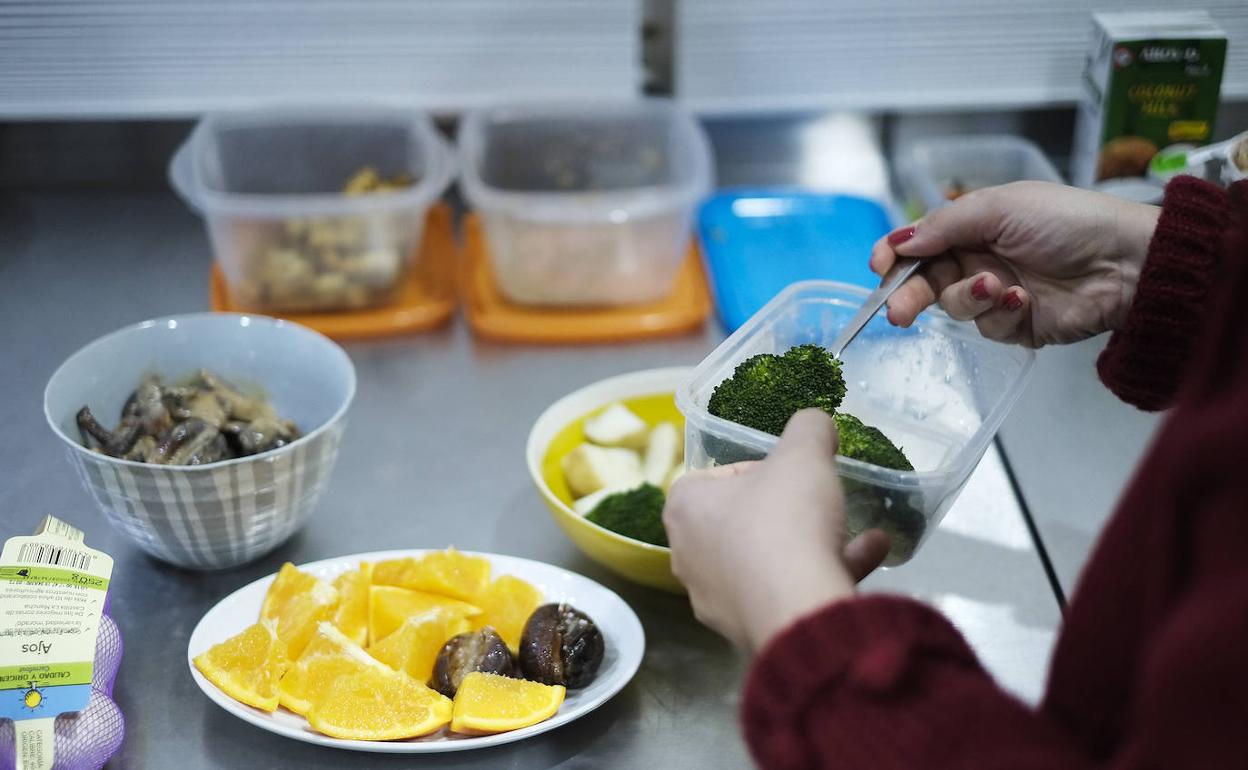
(979, 289)
(1011, 301)
(898, 237)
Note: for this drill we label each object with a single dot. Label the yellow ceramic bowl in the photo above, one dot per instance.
(558, 431)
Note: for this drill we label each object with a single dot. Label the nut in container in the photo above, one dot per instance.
(313, 210)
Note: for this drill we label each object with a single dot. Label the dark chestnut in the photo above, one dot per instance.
(483, 650)
(561, 645)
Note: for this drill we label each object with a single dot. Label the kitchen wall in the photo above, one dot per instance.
(733, 56)
(134, 154)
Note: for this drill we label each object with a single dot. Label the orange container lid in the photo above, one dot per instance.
(494, 317)
(425, 300)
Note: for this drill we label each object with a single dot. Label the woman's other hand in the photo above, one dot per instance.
(758, 545)
(1033, 263)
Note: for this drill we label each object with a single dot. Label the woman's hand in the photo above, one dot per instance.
(1030, 262)
(759, 545)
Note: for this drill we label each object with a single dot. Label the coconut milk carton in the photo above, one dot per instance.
(1151, 81)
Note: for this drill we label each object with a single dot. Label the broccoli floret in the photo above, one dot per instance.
(766, 390)
(637, 513)
(868, 444)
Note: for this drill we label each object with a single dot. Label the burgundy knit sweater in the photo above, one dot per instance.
(1151, 667)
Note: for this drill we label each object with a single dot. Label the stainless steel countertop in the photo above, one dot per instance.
(1073, 447)
(432, 456)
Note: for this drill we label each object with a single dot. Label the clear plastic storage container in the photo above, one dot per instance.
(288, 234)
(585, 204)
(938, 390)
(930, 170)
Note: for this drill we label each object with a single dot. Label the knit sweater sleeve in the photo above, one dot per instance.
(1146, 360)
(885, 683)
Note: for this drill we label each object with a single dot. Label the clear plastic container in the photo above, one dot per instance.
(585, 204)
(938, 390)
(271, 187)
(929, 170)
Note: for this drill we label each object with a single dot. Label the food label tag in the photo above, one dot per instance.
(52, 590)
(34, 739)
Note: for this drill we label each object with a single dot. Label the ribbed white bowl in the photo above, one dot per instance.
(224, 514)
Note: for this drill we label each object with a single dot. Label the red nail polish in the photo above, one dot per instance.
(898, 237)
(1012, 301)
(979, 289)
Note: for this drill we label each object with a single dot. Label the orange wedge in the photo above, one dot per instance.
(351, 615)
(389, 606)
(393, 572)
(506, 605)
(448, 572)
(297, 601)
(328, 656)
(489, 703)
(247, 666)
(414, 646)
(371, 705)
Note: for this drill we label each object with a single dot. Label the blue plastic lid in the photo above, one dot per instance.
(757, 242)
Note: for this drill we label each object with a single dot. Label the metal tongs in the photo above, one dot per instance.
(902, 270)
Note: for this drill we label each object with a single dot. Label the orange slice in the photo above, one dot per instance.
(489, 703)
(247, 666)
(371, 705)
(414, 646)
(297, 601)
(393, 572)
(328, 656)
(389, 606)
(351, 616)
(448, 572)
(506, 605)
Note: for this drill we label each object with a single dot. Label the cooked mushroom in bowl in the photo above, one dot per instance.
(198, 420)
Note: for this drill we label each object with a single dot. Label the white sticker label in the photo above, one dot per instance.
(57, 528)
(34, 743)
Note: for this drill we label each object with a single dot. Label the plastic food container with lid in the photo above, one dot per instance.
(288, 234)
(585, 204)
(757, 242)
(930, 169)
(938, 390)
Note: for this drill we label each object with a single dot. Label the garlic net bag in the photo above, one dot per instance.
(84, 740)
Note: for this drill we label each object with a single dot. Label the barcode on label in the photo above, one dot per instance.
(55, 555)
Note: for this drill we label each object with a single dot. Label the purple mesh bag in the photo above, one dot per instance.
(108, 650)
(85, 740)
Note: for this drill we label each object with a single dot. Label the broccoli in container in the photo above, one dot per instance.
(765, 390)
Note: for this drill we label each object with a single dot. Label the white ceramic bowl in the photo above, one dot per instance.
(223, 514)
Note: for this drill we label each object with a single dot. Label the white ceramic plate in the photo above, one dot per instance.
(625, 644)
